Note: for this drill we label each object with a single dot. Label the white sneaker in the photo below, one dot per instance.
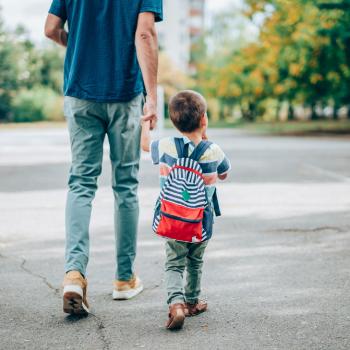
(124, 290)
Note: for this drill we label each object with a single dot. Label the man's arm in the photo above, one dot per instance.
(54, 30)
(146, 42)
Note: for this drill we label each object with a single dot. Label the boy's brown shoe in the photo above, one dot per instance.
(176, 316)
(74, 294)
(124, 290)
(195, 309)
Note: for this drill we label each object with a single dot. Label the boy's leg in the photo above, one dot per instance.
(87, 131)
(176, 253)
(124, 132)
(194, 264)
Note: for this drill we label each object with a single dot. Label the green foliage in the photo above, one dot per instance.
(8, 73)
(35, 105)
(301, 57)
(51, 68)
(27, 74)
(27, 106)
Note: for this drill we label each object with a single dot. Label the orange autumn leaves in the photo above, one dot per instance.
(294, 58)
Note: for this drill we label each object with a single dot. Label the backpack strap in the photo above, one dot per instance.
(216, 205)
(197, 153)
(200, 150)
(181, 148)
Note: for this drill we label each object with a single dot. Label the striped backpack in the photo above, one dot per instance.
(183, 211)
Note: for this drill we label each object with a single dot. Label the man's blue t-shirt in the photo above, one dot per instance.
(101, 63)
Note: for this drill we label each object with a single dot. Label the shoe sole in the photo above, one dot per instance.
(127, 294)
(73, 301)
(177, 322)
(196, 313)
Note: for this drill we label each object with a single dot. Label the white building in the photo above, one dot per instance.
(183, 24)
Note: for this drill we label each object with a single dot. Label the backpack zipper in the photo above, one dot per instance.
(180, 219)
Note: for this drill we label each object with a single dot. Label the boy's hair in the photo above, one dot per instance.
(186, 109)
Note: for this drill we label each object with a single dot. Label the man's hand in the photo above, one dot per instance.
(150, 113)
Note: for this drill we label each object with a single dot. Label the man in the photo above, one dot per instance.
(112, 56)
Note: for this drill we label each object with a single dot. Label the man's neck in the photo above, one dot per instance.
(195, 136)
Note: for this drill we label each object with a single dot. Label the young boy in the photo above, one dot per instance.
(188, 112)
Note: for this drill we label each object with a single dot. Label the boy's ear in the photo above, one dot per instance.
(204, 120)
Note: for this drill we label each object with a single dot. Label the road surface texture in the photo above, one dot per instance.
(276, 272)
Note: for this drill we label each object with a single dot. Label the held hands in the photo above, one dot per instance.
(150, 113)
(148, 122)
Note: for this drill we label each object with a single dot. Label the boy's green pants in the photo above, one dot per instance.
(181, 256)
(89, 123)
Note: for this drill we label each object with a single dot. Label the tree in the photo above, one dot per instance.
(302, 56)
(8, 72)
(51, 68)
(24, 72)
(339, 38)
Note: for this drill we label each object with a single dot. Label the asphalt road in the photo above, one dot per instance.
(276, 273)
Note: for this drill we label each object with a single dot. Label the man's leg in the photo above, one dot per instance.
(87, 131)
(124, 138)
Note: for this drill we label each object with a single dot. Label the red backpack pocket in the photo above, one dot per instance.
(179, 222)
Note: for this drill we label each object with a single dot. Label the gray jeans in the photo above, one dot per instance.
(89, 123)
(181, 256)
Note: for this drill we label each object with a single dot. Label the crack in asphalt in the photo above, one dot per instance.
(43, 278)
(100, 324)
(316, 229)
(28, 271)
(98, 320)
(100, 332)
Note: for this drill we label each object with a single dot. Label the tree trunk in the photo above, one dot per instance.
(278, 110)
(314, 115)
(243, 113)
(222, 111)
(291, 112)
(335, 112)
(252, 111)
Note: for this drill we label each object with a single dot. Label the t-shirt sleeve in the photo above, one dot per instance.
(155, 6)
(224, 163)
(58, 8)
(155, 152)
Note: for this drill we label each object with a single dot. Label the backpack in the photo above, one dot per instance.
(183, 211)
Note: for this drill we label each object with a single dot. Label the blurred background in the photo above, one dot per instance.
(277, 271)
(261, 64)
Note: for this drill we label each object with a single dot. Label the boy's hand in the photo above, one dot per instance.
(145, 134)
(223, 176)
(145, 123)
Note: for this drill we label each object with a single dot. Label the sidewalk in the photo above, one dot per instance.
(276, 273)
